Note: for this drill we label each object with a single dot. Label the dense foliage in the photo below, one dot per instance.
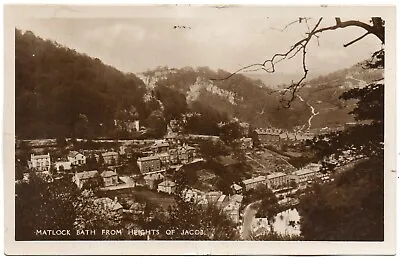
(59, 92)
(351, 207)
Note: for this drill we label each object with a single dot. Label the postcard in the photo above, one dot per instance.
(199, 130)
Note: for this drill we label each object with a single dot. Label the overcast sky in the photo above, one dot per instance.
(228, 41)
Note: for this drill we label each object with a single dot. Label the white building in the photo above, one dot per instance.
(167, 187)
(254, 182)
(40, 162)
(76, 158)
(276, 180)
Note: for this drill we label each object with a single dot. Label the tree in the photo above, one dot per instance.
(40, 205)
(156, 123)
(92, 214)
(210, 222)
(269, 206)
(229, 132)
(61, 142)
(91, 162)
(81, 128)
(349, 209)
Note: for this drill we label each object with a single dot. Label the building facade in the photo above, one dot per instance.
(110, 158)
(268, 136)
(110, 178)
(167, 187)
(86, 177)
(149, 164)
(254, 182)
(76, 158)
(40, 162)
(277, 180)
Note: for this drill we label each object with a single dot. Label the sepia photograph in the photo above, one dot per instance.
(200, 123)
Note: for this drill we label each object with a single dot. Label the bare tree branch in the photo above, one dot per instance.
(268, 65)
(355, 40)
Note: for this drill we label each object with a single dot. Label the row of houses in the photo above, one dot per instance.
(90, 178)
(275, 136)
(74, 158)
(279, 179)
(163, 156)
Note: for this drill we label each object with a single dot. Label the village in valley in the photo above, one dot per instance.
(123, 176)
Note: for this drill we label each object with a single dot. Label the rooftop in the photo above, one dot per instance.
(303, 171)
(274, 175)
(167, 183)
(73, 153)
(86, 174)
(108, 203)
(268, 131)
(108, 173)
(254, 179)
(153, 176)
(110, 153)
(148, 158)
(40, 156)
(236, 187)
(160, 144)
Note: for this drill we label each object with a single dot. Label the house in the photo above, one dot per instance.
(167, 187)
(76, 158)
(149, 164)
(151, 178)
(86, 177)
(268, 136)
(254, 182)
(109, 178)
(236, 188)
(62, 166)
(108, 204)
(40, 162)
(277, 180)
(160, 147)
(110, 158)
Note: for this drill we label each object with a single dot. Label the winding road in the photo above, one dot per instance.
(313, 113)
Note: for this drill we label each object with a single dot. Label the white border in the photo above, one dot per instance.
(196, 248)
